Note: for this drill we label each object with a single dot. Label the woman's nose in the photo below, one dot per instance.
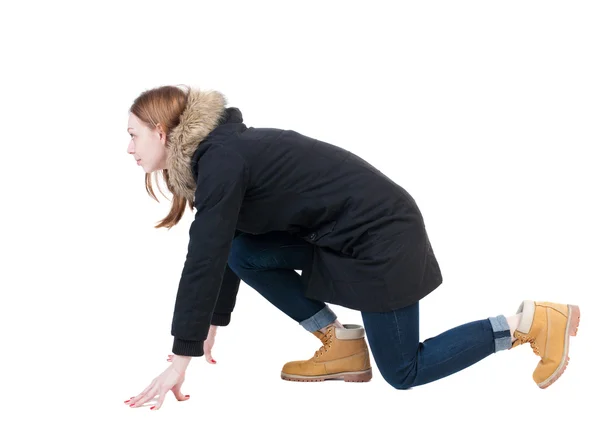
(130, 147)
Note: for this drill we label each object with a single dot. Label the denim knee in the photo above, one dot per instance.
(401, 377)
(239, 254)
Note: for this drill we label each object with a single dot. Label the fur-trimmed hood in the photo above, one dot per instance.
(202, 114)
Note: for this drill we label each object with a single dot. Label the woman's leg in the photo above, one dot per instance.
(267, 263)
(405, 362)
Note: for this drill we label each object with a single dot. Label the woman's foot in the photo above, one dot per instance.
(344, 355)
(547, 327)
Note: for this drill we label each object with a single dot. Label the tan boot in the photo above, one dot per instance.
(547, 327)
(344, 354)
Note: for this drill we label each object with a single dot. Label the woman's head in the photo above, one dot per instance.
(147, 145)
(151, 118)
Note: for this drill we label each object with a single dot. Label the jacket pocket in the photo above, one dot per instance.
(318, 233)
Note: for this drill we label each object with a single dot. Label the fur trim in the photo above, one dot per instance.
(201, 115)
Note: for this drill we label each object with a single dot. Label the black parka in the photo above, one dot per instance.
(371, 249)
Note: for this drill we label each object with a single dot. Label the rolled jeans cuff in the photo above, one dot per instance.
(319, 320)
(501, 332)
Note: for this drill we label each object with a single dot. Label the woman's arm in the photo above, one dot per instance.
(221, 186)
(227, 297)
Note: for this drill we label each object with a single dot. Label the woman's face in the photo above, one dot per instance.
(147, 145)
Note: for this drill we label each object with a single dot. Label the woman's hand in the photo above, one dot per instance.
(171, 379)
(208, 345)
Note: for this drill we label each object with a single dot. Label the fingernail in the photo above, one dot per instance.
(213, 361)
(152, 407)
(127, 401)
(131, 405)
(187, 396)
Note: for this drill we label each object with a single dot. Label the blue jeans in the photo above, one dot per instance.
(268, 262)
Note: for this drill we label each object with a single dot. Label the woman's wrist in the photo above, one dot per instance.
(180, 363)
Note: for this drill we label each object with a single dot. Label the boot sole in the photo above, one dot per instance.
(351, 377)
(571, 330)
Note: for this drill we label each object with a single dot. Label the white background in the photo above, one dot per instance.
(485, 112)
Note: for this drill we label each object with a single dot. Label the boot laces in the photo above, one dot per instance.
(522, 340)
(327, 341)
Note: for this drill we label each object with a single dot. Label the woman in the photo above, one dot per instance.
(269, 202)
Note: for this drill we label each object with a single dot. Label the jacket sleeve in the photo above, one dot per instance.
(219, 193)
(227, 296)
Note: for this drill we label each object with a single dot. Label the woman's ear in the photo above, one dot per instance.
(161, 133)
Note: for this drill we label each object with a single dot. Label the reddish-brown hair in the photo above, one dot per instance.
(164, 106)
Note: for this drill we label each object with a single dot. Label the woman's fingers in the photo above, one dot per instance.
(170, 379)
(136, 398)
(209, 357)
(170, 358)
(177, 392)
(180, 396)
(148, 396)
(208, 345)
(161, 397)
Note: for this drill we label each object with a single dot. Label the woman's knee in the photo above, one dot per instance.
(240, 253)
(402, 376)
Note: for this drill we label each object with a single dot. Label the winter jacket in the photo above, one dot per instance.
(371, 251)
